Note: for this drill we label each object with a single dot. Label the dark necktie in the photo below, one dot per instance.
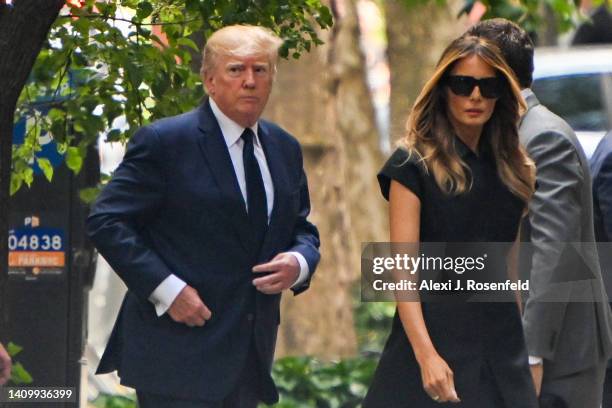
(256, 192)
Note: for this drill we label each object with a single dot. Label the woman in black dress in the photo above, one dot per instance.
(460, 175)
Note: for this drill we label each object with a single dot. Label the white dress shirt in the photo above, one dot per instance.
(164, 295)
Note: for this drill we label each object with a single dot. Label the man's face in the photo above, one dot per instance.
(240, 86)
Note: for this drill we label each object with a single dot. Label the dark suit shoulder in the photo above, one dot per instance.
(278, 132)
(168, 138)
(604, 148)
(602, 154)
(173, 126)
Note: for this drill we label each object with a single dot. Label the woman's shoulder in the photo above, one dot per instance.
(405, 166)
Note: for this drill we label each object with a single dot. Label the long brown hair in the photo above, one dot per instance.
(430, 135)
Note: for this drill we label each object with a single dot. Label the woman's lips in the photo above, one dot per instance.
(474, 112)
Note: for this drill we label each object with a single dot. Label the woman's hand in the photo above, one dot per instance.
(438, 380)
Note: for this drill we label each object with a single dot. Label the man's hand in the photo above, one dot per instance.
(188, 308)
(5, 365)
(537, 372)
(282, 271)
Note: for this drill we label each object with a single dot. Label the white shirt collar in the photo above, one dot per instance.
(525, 92)
(231, 130)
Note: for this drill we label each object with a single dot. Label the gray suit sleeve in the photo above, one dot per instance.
(554, 215)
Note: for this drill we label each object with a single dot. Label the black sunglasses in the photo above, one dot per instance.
(490, 87)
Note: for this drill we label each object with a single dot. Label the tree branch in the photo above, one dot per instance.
(136, 23)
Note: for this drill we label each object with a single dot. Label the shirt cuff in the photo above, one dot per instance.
(533, 360)
(304, 270)
(163, 296)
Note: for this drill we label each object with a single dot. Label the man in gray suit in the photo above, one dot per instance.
(567, 320)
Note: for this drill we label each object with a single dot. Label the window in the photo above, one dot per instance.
(579, 99)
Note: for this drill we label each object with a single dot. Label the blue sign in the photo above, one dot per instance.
(36, 239)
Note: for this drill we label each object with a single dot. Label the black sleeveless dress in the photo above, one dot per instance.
(481, 342)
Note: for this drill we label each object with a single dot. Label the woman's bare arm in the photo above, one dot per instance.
(404, 221)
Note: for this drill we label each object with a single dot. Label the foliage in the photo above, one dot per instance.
(104, 69)
(529, 14)
(115, 401)
(307, 382)
(19, 375)
(302, 382)
(372, 325)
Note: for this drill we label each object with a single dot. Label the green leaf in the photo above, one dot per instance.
(28, 176)
(134, 74)
(160, 86)
(62, 148)
(46, 167)
(144, 10)
(55, 114)
(188, 42)
(78, 126)
(115, 401)
(74, 160)
(326, 19)
(89, 195)
(113, 135)
(19, 375)
(13, 349)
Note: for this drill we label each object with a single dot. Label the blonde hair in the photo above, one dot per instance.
(430, 135)
(240, 41)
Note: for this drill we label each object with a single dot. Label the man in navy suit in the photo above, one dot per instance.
(205, 220)
(601, 170)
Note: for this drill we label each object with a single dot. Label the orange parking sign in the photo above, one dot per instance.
(36, 258)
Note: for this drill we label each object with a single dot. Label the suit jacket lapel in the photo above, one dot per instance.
(213, 147)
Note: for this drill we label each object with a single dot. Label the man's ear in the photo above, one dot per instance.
(209, 84)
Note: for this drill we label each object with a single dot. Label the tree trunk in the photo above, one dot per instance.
(23, 30)
(311, 322)
(547, 34)
(416, 37)
(354, 112)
